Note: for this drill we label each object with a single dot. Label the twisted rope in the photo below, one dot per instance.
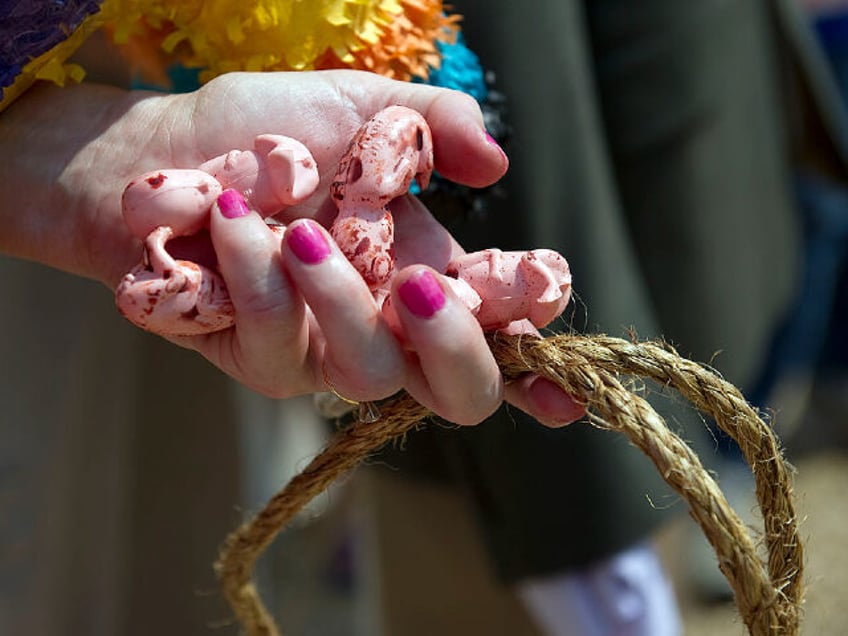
(768, 594)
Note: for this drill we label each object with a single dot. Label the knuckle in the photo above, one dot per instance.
(367, 382)
(470, 411)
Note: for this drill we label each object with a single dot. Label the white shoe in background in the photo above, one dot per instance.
(627, 594)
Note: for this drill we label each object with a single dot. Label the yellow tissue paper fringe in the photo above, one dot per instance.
(394, 38)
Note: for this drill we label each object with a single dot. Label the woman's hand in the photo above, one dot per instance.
(305, 320)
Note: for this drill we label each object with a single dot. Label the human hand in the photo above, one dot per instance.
(301, 325)
(439, 354)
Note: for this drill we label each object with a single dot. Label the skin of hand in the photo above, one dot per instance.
(303, 323)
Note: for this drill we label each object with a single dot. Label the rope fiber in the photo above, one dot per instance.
(768, 589)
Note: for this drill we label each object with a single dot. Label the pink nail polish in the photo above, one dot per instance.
(494, 143)
(308, 243)
(422, 294)
(232, 204)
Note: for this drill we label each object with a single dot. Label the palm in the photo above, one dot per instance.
(322, 110)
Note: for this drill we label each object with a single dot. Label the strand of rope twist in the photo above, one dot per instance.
(768, 596)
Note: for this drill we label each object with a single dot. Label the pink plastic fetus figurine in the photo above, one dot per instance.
(386, 154)
(513, 285)
(178, 297)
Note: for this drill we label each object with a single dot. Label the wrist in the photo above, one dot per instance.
(69, 153)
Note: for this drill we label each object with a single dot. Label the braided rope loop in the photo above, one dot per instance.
(768, 594)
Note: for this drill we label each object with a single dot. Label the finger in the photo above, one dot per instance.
(458, 378)
(463, 151)
(419, 237)
(362, 358)
(539, 397)
(545, 401)
(269, 345)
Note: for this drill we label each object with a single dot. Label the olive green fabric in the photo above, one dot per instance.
(649, 148)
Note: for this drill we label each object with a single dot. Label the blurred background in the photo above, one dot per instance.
(692, 166)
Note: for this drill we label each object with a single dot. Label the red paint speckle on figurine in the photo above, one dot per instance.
(157, 181)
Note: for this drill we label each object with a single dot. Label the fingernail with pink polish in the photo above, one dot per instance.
(494, 143)
(308, 243)
(422, 294)
(232, 204)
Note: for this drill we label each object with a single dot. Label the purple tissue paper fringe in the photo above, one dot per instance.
(29, 28)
